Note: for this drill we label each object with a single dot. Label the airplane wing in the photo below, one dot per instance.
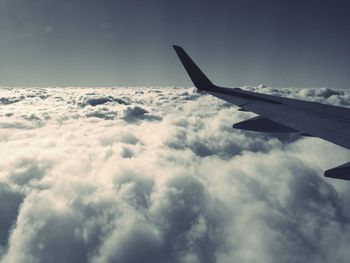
(278, 114)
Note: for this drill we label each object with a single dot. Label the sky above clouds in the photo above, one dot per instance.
(109, 43)
(159, 175)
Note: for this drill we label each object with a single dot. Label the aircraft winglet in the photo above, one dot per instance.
(198, 78)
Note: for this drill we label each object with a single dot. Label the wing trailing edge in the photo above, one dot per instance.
(261, 124)
(339, 172)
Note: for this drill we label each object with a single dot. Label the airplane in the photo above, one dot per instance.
(279, 114)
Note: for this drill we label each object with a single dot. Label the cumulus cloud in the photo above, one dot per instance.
(159, 175)
(136, 113)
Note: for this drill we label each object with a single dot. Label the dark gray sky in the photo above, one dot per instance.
(128, 42)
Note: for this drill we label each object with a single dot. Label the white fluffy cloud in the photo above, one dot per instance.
(159, 175)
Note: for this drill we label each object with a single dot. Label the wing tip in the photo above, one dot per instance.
(199, 79)
(177, 47)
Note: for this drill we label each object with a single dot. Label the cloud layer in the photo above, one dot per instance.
(159, 175)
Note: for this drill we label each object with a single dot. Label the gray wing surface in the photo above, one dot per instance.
(278, 114)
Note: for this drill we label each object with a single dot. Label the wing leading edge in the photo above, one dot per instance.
(278, 114)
